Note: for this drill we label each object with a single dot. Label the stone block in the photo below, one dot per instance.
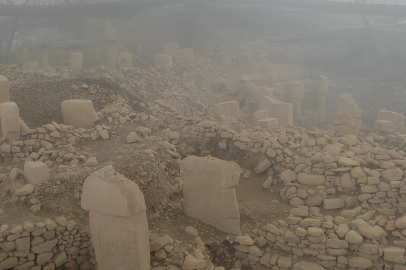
(268, 123)
(384, 126)
(394, 255)
(209, 193)
(258, 115)
(229, 109)
(118, 221)
(126, 60)
(346, 104)
(36, 172)
(296, 95)
(396, 118)
(76, 61)
(31, 66)
(168, 49)
(307, 266)
(79, 113)
(162, 60)
(10, 121)
(183, 55)
(331, 204)
(344, 125)
(4, 89)
(278, 109)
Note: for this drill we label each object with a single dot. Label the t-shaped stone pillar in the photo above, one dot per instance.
(209, 193)
(295, 91)
(322, 90)
(4, 89)
(118, 221)
(10, 121)
(76, 61)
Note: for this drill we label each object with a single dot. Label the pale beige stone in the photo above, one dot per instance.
(229, 109)
(396, 118)
(76, 61)
(344, 125)
(79, 113)
(162, 60)
(258, 115)
(118, 221)
(183, 55)
(36, 172)
(209, 193)
(296, 95)
(169, 48)
(278, 109)
(346, 104)
(126, 60)
(10, 121)
(384, 126)
(4, 89)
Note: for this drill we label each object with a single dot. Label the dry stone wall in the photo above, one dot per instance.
(51, 244)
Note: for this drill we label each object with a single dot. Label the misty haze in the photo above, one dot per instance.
(202, 134)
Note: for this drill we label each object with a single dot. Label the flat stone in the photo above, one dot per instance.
(314, 180)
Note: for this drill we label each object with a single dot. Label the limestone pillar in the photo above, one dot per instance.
(4, 90)
(126, 60)
(10, 121)
(112, 54)
(346, 104)
(76, 61)
(209, 192)
(118, 221)
(168, 49)
(43, 53)
(322, 89)
(25, 56)
(296, 94)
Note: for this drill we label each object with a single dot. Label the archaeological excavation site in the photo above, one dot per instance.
(202, 134)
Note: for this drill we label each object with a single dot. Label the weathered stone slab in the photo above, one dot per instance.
(162, 60)
(183, 55)
(118, 222)
(258, 115)
(76, 61)
(268, 122)
(10, 121)
(278, 109)
(309, 179)
(296, 95)
(209, 193)
(344, 125)
(79, 113)
(4, 89)
(346, 104)
(169, 48)
(126, 60)
(229, 109)
(396, 118)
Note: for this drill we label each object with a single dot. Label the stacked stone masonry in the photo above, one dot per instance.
(51, 244)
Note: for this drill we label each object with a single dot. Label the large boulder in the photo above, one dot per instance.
(36, 172)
